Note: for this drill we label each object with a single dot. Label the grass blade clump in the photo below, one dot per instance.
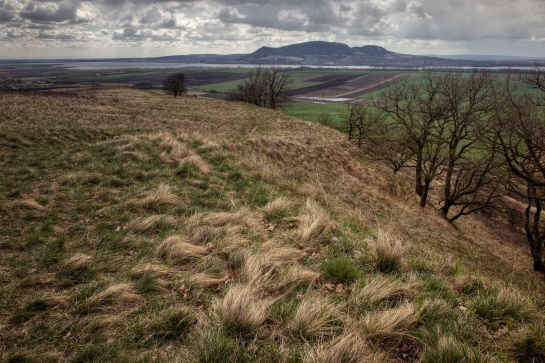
(389, 327)
(151, 223)
(243, 310)
(388, 253)
(379, 289)
(314, 223)
(316, 318)
(528, 344)
(446, 349)
(278, 209)
(348, 348)
(160, 198)
(342, 270)
(503, 305)
(209, 344)
(175, 249)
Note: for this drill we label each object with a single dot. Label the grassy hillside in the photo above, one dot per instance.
(136, 227)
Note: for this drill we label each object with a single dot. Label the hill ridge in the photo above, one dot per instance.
(136, 226)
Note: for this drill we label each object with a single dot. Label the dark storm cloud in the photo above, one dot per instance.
(6, 15)
(51, 12)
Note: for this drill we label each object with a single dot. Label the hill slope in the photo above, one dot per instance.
(137, 227)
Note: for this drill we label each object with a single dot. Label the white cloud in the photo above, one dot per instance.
(230, 26)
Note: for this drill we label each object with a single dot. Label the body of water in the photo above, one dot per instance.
(99, 65)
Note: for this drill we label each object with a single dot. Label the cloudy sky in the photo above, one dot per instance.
(143, 28)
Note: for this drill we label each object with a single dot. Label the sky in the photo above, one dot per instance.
(145, 28)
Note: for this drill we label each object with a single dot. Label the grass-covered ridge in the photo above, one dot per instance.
(135, 227)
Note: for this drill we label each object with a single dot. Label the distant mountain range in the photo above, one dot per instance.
(332, 54)
(328, 54)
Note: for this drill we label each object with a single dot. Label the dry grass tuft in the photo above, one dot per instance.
(435, 310)
(314, 222)
(243, 310)
(78, 262)
(28, 204)
(278, 209)
(282, 255)
(208, 343)
(58, 300)
(448, 349)
(528, 344)
(348, 348)
(265, 270)
(297, 276)
(388, 252)
(220, 219)
(503, 305)
(231, 243)
(122, 294)
(158, 270)
(204, 280)
(133, 155)
(176, 154)
(317, 318)
(176, 249)
(145, 224)
(162, 197)
(198, 162)
(390, 326)
(255, 271)
(379, 289)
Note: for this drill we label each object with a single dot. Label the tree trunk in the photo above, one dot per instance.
(446, 207)
(537, 256)
(425, 190)
(418, 175)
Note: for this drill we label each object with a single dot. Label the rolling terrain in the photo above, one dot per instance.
(141, 228)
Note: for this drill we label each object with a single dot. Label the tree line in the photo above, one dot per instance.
(479, 139)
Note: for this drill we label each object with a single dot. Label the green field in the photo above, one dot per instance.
(311, 112)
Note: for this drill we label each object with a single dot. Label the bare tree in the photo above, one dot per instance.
(438, 127)
(380, 140)
(264, 87)
(416, 110)
(521, 138)
(174, 84)
(536, 78)
(325, 118)
(470, 178)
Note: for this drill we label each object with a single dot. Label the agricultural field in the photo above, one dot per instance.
(135, 227)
